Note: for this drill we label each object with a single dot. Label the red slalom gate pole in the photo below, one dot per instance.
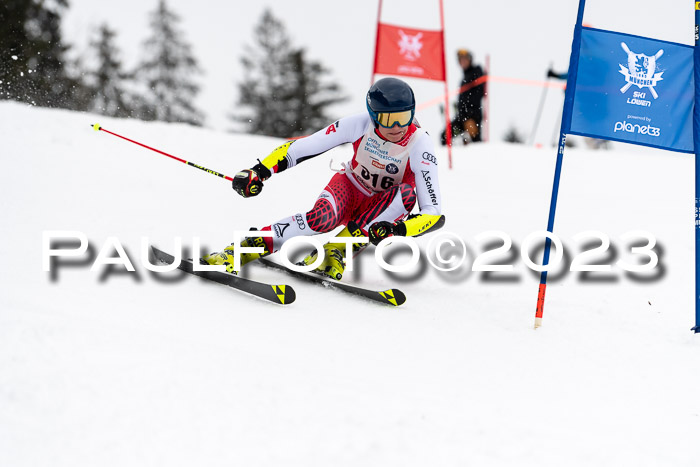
(448, 122)
(97, 127)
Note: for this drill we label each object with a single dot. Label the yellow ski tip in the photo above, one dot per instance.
(280, 292)
(389, 296)
(96, 127)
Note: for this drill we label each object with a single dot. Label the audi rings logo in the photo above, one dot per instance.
(300, 221)
(430, 158)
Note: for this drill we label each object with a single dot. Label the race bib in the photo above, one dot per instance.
(378, 164)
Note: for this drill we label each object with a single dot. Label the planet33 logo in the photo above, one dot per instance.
(636, 128)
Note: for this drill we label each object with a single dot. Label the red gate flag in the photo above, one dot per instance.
(409, 52)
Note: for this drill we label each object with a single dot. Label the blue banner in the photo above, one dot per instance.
(696, 129)
(635, 90)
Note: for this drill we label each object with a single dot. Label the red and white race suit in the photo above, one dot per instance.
(381, 182)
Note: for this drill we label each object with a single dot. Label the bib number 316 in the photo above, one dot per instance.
(385, 183)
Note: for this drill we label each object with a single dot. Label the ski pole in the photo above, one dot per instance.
(536, 123)
(97, 127)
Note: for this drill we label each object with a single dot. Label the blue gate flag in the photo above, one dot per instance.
(696, 129)
(634, 90)
(631, 89)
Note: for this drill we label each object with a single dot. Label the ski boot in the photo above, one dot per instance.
(333, 264)
(226, 257)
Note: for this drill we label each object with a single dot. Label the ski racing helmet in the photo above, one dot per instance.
(464, 53)
(390, 102)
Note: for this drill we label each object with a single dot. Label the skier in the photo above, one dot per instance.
(392, 166)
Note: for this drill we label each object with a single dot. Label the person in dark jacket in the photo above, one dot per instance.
(467, 122)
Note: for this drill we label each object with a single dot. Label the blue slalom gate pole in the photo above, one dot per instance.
(565, 127)
(696, 144)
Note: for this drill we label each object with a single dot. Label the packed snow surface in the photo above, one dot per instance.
(111, 368)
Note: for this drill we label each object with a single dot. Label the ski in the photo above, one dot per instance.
(282, 294)
(389, 297)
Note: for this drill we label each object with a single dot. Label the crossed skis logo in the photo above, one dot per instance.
(640, 70)
(410, 45)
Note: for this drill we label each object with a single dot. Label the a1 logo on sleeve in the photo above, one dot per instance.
(332, 128)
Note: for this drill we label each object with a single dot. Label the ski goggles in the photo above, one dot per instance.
(390, 119)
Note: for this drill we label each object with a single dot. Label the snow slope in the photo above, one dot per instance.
(111, 368)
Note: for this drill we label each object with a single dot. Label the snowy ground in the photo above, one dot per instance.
(112, 369)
